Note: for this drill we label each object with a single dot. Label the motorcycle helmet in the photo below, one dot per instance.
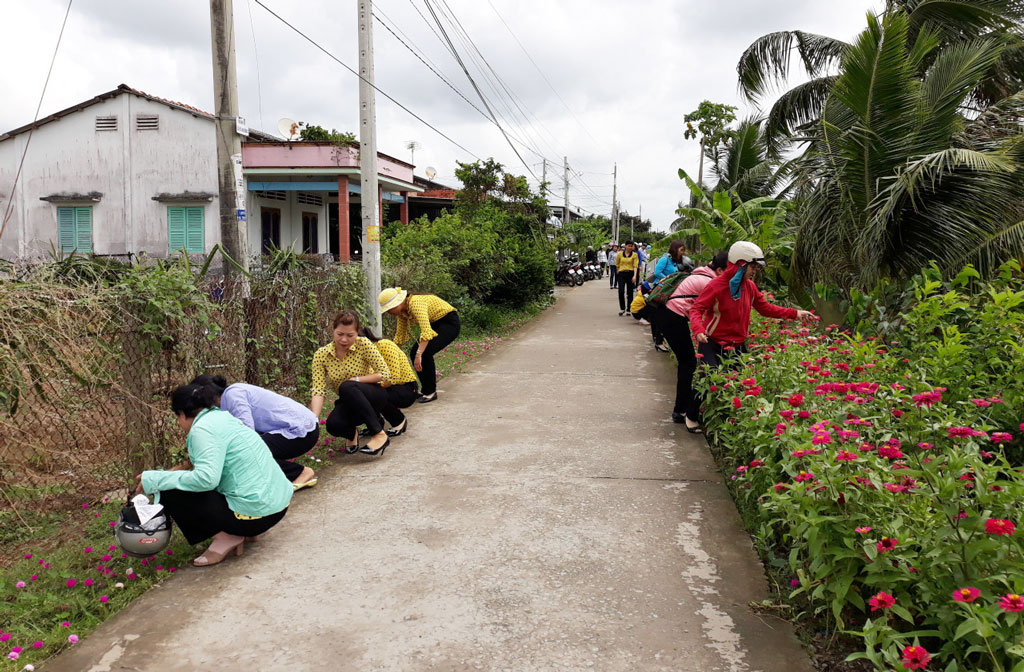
(142, 540)
(747, 252)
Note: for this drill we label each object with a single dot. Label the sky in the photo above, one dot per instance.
(603, 82)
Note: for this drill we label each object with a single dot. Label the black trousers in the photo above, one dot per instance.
(285, 450)
(447, 328)
(357, 404)
(625, 283)
(652, 315)
(612, 277)
(399, 397)
(200, 515)
(715, 354)
(677, 332)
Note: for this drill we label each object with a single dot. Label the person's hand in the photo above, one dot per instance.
(702, 338)
(138, 484)
(418, 362)
(806, 316)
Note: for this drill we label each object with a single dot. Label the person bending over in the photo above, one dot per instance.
(229, 489)
(439, 326)
(352, 366)
(288, 428)
(647, 314)
(402, 389)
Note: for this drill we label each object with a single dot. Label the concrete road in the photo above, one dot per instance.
(544, 514)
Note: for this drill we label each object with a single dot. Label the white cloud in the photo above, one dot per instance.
(629, 71)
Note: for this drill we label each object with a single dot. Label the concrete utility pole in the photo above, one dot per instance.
(544, 177)
(368, 163)
(233, 228)
(615, 184)
(565, 215)
(632, 221)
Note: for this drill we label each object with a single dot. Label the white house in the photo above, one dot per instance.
(130, 173)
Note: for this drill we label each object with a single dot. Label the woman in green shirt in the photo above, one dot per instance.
(229, 489)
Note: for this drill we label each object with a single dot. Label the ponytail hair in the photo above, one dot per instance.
(192, 399)
(367, 332)
(216, 384)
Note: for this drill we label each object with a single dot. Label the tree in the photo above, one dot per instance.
(711, 119)
(744, 165)
(903, 160)
(314, 133)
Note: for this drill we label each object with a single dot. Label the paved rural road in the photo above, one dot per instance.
(545, 514)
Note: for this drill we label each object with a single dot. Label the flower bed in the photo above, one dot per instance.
(885, 498)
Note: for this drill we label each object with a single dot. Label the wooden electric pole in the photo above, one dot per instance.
(615, 210)
(565, 215)
(369, 198)
(233, 228)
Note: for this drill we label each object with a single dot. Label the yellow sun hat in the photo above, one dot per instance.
(391, 297)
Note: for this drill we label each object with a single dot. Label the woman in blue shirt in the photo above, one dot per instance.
(229, 489)
(673, 261)
(288, 428)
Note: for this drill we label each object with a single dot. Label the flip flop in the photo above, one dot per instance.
(308, 484)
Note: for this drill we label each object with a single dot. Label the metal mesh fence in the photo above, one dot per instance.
(84, 404)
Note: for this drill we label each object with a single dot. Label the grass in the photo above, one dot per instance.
(38, 619)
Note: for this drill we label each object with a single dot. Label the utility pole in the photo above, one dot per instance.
(565, 215)
(615, 183)
(233, 228)
(631, 222)
(369, 196)
(544, 177)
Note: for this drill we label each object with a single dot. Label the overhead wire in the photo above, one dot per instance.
(21, 164)
(356, 73)
(256, 55)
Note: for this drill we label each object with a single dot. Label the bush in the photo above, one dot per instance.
(883, 477)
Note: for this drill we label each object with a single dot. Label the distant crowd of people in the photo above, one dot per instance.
(701, 310)
(242, 439)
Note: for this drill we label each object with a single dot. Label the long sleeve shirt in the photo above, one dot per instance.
(725, 319)
(329, 372)
(232, 459)
(626, 262)
(398, 364)
(664, 268)
(424, 309)
(688, 290)
(267, 412)
(602, 257)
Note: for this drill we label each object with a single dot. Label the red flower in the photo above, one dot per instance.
(915, 658)
(999, 526)
(779, 487)
(1011, 602)
(890, 452)
(897, 413)
(786, 415)
(966, 594)
(886, 544)
(736, 403)
(803, 415)
(1001, 437)
(881, 601)
(796, 400)
(928, 398)
(846, 456)
(955, 432)
(803, 476)
(753, 391)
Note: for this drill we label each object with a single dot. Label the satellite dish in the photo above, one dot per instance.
(431, 172)
(288, 128)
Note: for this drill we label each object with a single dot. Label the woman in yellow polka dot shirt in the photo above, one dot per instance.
(439, 326)
(353, 367)
(402, 389)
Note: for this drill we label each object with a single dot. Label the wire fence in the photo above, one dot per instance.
(84, 394)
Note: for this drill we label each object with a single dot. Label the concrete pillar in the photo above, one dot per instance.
(344, 238)
(380, 204)
(404, 210)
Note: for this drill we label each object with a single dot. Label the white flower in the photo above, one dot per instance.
(30, 668)
(118, 585)
(130, 571)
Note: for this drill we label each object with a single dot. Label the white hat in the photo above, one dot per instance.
(391, 297)
(745, 251)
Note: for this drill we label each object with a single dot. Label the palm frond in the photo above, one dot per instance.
(767, 61)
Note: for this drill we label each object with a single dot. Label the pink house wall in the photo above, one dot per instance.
(313, 155)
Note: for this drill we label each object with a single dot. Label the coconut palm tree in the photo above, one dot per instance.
(904, 160)
(744, 165)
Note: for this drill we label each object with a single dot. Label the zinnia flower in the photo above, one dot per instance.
(846, 456)
(796, 400)
(803, 415)
(862, 530)
(881, 601)
(999, 526)
(1011, 602)
(803, 476)
(958, 432)
(890, 452)
(966, 594)
(886, 544)
(924, 445)
(915, 658)
(1001, 437)
(736, 403)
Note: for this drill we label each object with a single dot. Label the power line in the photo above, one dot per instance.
(375, 87)
(256, 54)
(24, 153)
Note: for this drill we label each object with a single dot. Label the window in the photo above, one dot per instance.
(147, 122)
(186, 229)
(74, 229)
(106, 123)
(308, 198)
(309, 233)
(270, 221)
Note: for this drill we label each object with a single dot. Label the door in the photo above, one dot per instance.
(309, 233)
(271, 227)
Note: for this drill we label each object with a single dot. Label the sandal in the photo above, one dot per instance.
(305, 484)
(213, 558)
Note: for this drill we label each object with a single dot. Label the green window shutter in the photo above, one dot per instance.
(175, 229)
(66, 229)
(195, 231)
(83, 229)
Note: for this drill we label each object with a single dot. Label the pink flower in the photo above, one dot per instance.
(14, 655)
(924, 445)
(897, 413)
(957, 432)
(886, 544)
(88, 582)
(981, 403)
(104, 599)
(65, 624)
(107, 558)
(73, 639)
(862, 530)
(999, 527)
(881, 601)
(28, 556)
(786, 415)
(890, 452)
(88, 549)
(803, 476)
(915, 658)
(796, 400)
(966, 594)
(927, 398)
(71, 583)
(1001, 437)
(1011, 602)
(37, 645)
(846, 456)
(169, 552)
(6, 637)
(19, 584)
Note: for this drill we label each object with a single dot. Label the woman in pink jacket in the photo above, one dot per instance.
(676, 329)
